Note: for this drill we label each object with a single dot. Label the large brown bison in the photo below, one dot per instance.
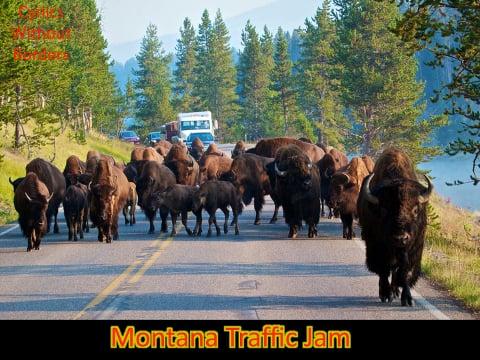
(213, 167)
(109, 189)
(74, 167)
(153, 179)
(137, 154)
(392, 210)
(179, 200)
(214, 195)
(298, 188)
(269, 147)
(55, 183)
(328, 166)
(344, 189)
(240, 149)
(150, 154)
(31, 202)
(183, 165)
(249, 175)
(197, 149)
(163, 147)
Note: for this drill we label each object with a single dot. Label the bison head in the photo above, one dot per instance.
(401, 206)
(182, 169)
(15, 183)
(104, 194)
(340, 182)
(295, 169)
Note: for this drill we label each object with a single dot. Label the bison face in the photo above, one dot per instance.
(339, 184)
(296, 172)
(104, 197)
(150, 203)
(182, 169)
(38, 208)
(402, 207)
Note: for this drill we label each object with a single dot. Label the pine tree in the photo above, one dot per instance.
(253, 84)
(184, 73)
(283, 80)
(378, 81)
(152, 84)
(319, 96)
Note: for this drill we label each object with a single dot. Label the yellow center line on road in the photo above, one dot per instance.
(124, 276)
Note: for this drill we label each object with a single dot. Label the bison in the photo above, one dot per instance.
(150, 154)
(179, 200)
(197, 149)
(214, 150)
(240, 149)
(130, 205)
(344, 189)
(269, 147)
(328, 166)
(153, 179)
(163, 147)
(249, 175)
(109, 193)
(183, 165)
(75, 207)
(31, 201)
(137, 154)
(73, 168)
(213, 167)
(298, 188)
(392, 209)
(214, 195)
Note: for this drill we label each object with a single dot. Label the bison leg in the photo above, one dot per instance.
(80, 224)
(56, 229)
(385, 290)
(219, 232)
(86, 216)
(164, 216)
(198, 226)
(30, 239)
(235, 219)
(74, 228)
(258, 204)
(347, 221)
(114, 227)
(227, 215)
(151, 217)
(174, 216)
(133, 221)
(125, 214)
(312, 231)
(403, 279)
(185, 223)
(37, 239)
(68, 220)
(275, 215)
(293, 232)
(322, 202)
(101, 235)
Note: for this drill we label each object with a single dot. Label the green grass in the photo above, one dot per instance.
(451, 257)
(13, 164)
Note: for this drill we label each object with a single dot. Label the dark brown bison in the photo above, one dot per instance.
(130, 205)
(74, 167)
(249, 175)
(183, 165)
(197, 149)
(75, 207)
(55, 183)
(240, 149)
(163, 147)
(328, 166)
(344, 189)
(392, 210)
(31, 201)
(214, 195)
(213, 167)
(179, 201)
(298, 188)
(109, 190)
(154, 178)
(269, 147)
(137, 154)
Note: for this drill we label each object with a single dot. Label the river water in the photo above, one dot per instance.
(448, 169)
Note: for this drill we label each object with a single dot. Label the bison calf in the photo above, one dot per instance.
(75, 206)
(130, 205)
(214, 195)
(179, 200)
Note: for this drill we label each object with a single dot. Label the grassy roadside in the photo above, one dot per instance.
(452, 253)
(13, 164)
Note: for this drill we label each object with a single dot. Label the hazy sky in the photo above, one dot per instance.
(126, 20)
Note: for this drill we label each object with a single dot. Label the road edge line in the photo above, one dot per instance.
(9, 230)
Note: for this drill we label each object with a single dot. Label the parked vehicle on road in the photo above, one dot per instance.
(206, 138)
(129, 136)
(154, 137)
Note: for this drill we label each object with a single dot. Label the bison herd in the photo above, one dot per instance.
(304, 179)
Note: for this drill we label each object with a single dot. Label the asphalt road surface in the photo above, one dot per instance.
(258, 275)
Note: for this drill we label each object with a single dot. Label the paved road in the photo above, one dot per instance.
(258, 275)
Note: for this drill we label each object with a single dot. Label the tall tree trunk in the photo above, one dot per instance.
(18, 92)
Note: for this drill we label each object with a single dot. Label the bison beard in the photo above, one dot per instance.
(392, 210)
(298, 188)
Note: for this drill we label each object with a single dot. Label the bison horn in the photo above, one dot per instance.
(427, 192)
(345, 177)
(10, 180)
(280, 173)
(367, 192)
(90, 186)
(28, 197)
(50, 198)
